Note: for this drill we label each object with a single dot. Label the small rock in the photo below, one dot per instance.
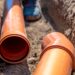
(68, 32)
(32, 60)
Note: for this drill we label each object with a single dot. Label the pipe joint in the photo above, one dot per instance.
(58, 40)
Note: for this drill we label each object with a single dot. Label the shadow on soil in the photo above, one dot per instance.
(50, 20)
(17, 69)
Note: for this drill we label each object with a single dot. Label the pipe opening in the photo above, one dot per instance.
(14, 48)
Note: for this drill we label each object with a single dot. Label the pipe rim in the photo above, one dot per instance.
(27, 47)
(51, 45)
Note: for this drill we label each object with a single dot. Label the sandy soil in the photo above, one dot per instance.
(35, 32)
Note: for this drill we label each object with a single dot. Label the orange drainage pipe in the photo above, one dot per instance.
(0, 24)
(14, 43)
(57, 57)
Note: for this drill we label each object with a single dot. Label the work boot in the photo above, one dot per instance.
(31, 10)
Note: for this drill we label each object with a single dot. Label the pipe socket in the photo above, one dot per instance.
(58, 55)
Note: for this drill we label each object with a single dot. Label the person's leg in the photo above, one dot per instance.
(31, 10)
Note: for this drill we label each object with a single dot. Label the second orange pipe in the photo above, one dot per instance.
(57, 57)
(14, 42)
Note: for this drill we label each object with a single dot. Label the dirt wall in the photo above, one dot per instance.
(62, 13)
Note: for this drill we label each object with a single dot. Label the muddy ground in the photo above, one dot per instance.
(35, 31)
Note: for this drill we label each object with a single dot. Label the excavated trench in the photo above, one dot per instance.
(57, 15)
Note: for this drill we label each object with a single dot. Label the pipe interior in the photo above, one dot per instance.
(14, 46)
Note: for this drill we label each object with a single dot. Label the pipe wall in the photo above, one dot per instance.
(14, 42)
(57, 57)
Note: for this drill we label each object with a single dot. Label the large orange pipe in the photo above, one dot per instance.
(14, 42)
(57, 57)
(0, 24)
